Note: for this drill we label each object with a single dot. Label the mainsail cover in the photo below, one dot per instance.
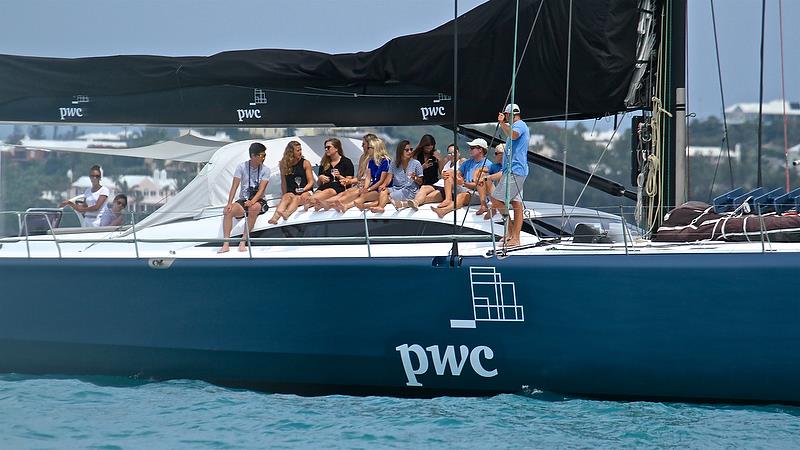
(407, 81)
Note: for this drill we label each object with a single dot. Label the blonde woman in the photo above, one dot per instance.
(379, 178)
(297, 181)
(352, 192)
(407, 176)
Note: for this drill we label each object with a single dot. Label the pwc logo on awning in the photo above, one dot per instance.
(77, 110)
(437, 110)
(245, 114)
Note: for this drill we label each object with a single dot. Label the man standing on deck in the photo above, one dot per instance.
(515, 170)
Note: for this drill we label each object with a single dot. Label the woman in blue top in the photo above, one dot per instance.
(407, 176)
(379, 178)
(297, 180)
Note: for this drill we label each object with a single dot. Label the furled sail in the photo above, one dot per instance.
(407, 81)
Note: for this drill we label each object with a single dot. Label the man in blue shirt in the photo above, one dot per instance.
(466, 183)
(515, 169)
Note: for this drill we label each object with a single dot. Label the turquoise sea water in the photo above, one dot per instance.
(119, 413)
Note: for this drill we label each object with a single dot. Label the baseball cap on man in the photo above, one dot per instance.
(480, 142)
(512, 109)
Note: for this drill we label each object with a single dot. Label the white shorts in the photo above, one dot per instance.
(515, 184)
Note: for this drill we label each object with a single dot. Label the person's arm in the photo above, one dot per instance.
(384, 181)
(309, 177)
(262, 186)
(507, 129)
(283, 182)
(117, 221)
(100, 202)
(323, 179)
(231, 193)
(417, 174)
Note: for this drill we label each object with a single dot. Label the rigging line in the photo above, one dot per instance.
(596, 166)
(508, 93)
(509, 139)
(725, 139)
(716, 168)
(454, 250)
(566, 121)
(783, 95)
(759, 181)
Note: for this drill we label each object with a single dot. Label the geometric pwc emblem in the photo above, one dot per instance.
(493, 300)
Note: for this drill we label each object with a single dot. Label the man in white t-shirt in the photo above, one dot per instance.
(94, 198)
(250, 180)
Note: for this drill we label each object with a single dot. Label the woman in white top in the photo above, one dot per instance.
(94, 198)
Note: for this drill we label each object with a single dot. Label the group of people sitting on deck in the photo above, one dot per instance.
(414, 177)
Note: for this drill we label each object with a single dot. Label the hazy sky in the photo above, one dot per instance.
(203, 27)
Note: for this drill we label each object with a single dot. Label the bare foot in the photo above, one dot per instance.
(377, 209)
(242, 247)
(481, 210)
(512, 242)
(441, 212)
(339, 206)
(225, 248)
(274, 219)
(444, 204)
(323, 205)
(487, 216)
(284, 215)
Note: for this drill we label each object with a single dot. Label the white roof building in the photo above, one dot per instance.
(742, 112)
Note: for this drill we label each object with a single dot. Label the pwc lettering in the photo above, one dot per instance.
(443, 361)
(67, 113)
(248, 114)
(431, 111)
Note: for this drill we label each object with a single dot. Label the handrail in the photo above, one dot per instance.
(280, 242)
(50, 226)
(133, 228)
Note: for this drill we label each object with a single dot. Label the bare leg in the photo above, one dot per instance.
(448, 193)
(461, 200)
(516, 223)
(383, 199)
(279, 211)
(293, 205)
(501, 206)
(319, 197)
(482, 188)
(252, 215)
(227, 225)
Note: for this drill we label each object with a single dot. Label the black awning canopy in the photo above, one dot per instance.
(407, 81)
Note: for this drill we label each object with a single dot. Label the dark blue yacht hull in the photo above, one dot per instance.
(718, 327)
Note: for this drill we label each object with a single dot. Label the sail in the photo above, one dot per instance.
(407, 81)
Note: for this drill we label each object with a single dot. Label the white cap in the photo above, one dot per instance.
(480, 142)
(512, 108)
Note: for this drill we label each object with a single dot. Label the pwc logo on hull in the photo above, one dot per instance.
(443, 361)
(493, 300)
(246, 114)
(437, 110)
(75, 111)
